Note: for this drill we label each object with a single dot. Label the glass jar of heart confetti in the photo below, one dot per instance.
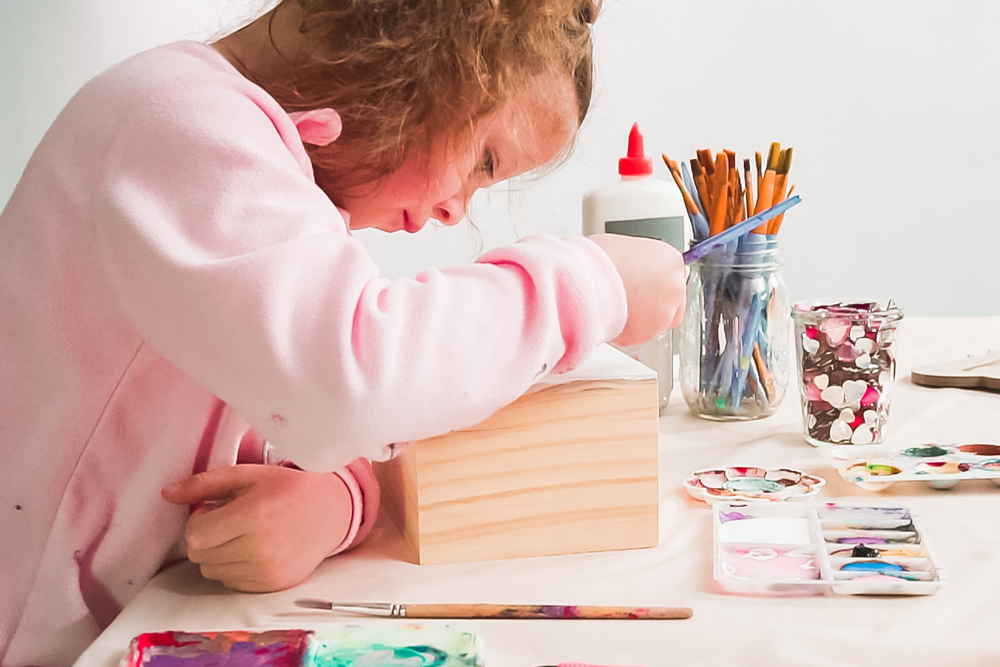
(735, 333)
(847, 366)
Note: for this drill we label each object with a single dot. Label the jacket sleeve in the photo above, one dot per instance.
(234, 266)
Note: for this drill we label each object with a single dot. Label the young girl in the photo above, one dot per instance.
(181, 293)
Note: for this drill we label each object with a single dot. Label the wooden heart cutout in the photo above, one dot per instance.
(969, 373)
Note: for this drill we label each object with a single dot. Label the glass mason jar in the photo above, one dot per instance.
(735, 336)
(658, 354)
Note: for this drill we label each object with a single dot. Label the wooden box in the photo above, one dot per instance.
(569, 467)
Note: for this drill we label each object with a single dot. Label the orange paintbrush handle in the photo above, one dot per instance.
(764, 198)
(689, 202)
(720, 204)
(734, 197)
(721, 170)
(765, 375)
(706, 160)
(777, 197)
(775, 224)
(701, 185)
(780, 182)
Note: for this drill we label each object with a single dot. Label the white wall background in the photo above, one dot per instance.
(892, 106)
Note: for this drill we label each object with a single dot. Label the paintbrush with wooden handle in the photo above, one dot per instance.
(497, 611)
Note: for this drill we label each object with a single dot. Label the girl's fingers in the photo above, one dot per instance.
(243, 576)
(230, 574)
(218, 484)
(229, 553)
(211, 528)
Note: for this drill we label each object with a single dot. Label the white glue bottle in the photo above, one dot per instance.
(640, 205)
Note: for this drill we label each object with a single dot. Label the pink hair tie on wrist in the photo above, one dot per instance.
(318, 127)
(357, 510)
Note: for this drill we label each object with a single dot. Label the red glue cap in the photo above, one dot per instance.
(636, 163)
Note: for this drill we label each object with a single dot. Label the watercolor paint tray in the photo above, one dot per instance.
(333, 646)
(876, 468)
(817, 548)
(752, 483)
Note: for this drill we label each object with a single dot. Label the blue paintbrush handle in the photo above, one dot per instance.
(699, 250)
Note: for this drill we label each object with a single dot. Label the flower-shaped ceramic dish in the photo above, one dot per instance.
(752, 483)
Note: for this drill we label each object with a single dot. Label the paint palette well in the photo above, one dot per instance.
(752, 483)
(344, 646)
(811, 549)
(876, 468)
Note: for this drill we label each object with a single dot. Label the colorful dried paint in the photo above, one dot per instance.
(273, 648)
(752, 483)
(872, 566)
(344, 646)
(924, 452)
(941, 466)
(756, 563)
(980, 450)
(875, 469)
(800, 549)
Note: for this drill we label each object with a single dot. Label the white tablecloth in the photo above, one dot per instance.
(960, 625)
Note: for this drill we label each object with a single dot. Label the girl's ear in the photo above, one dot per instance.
(318, 127)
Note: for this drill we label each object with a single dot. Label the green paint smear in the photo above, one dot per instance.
(931, 450)
(398, 647)
(752, 485)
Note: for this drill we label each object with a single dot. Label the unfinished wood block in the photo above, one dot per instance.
(569, 467)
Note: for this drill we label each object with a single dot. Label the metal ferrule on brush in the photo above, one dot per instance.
(371, 608)
(365, 608)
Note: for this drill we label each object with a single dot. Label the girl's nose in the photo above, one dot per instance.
(452, 210)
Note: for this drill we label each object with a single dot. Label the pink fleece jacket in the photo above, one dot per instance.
(171, 277)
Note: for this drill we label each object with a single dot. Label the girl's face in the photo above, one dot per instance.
(438, 182)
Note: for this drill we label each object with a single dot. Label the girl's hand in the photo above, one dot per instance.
(275, 526)
(654, 277)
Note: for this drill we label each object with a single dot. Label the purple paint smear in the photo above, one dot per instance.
(277, 648)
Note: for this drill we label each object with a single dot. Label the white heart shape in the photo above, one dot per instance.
(810, 345)
(863, 361)
(847, 415)
(865, 346)
(870, 417)
(840, 431)
(836, 330)
(885, 335)
(857, 331)
(862, 436)
(822, 381)
(853, 391)
(834, 396)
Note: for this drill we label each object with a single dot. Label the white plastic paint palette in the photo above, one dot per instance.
(811, 549)
(752, 483)
(876, 468)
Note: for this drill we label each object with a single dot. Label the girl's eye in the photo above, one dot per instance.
(487, 163)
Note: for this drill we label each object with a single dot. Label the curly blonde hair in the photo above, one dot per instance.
(402, 73)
